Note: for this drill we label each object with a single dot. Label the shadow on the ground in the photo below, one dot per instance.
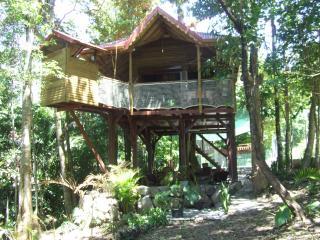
(250, 224)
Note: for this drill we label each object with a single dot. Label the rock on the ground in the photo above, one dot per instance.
(235, 187)
(215, 198)
(145, 203)
(143, 190)
(155, 190)
(96, 208)
(204, 202)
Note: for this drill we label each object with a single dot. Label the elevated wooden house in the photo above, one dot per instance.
(152, 84)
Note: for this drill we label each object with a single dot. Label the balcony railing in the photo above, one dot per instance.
(166, 95)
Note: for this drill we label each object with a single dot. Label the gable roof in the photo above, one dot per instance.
(72, 40)
(152, 27)
(149, 23)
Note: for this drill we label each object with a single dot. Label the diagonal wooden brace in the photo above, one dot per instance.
(89, 142)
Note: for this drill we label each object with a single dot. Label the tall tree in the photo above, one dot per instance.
(276, 94)
(244, 17)
(114, 19)
(25, 216)
(64, 166)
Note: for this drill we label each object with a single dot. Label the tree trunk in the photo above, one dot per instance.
(251, 87)
(288, 136)
(317, 157)
(311, 133)
(69, 156)
(278, 129)
(25, 211)
(276, 99)
(67, 193)
(253, 101)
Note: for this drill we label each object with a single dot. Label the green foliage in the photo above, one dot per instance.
(225, 197)
(166, 152)
(313, 208)
(283, 216)
(162, 200)
(144, 222)
(312, 174)
(112, 20)
(124, 183)
(191, 194)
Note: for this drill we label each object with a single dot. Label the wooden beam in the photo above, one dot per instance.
(130, 84)
(199, 78)
(182, 111)
(213, 146)
(89, 142)
(223, 139)
(206, 156)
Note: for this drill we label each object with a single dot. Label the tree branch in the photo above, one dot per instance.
(236, 21)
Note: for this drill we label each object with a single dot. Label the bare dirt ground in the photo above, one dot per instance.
(248, 218)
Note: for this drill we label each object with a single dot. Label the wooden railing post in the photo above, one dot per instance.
(130, 84)
(199, 78)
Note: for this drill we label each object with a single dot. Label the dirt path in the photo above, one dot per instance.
(248, 218)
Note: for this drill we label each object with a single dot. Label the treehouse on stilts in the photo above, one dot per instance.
(151, 84)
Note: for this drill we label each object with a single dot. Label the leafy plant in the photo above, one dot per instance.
(283, 216)
(124, 183)
(307, 174)
(151, 219)
(225, 197)
(176, 190)
(313, 208)
(191, 194)
(162, 200)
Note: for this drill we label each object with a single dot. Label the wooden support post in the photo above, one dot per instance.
(199, 78)
(150, 142)
(89, 142)
(182, 148)
(134, 143)
(112, 140)
(192, 153)
(130, 83)
(232, 151)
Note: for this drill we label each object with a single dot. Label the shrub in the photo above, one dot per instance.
(162, 200)
(143, 222)
(313, 208)
(225, 197)
(283, 216)
(124, 184)
(191, 194)
(307, 174)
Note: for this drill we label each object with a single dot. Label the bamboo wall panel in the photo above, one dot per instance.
(79, 84)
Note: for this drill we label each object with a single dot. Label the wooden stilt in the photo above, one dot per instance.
(182, 148)
(112, 139)
(150, 142)
(134, 144)
(89, 142)
(192, 152)
(232, 151)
